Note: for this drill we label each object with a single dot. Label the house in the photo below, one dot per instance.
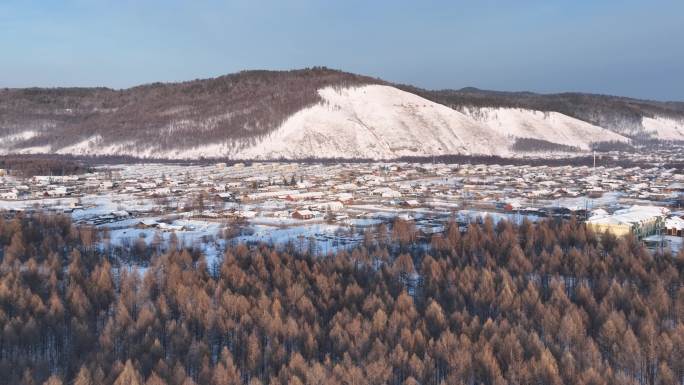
(162, 191)
(57, 191)
(595, 192)
(146, 223)
(246, 214)
(674, 226)
(9, 195)
(120, 214)
(225, 196)
(304, 195)
(147, 185)
(509, 206)
(410, 203)
(345, 197)
(386, 192)
(599, 213)
(676, 187)
(303, 214)
(380, 190)
(270, 194)
(330, 206)
(391, 194)
(641, 221)
(217, 188)
(346, 187)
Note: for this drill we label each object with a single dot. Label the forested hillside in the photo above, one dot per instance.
(240, 106)
(319, 113)
(546, 303)
(619, 114)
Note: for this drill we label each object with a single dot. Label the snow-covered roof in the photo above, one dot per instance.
(674, 223)
(629, 216)
(643, 211)
(599, 212)
(149, 222)
(305, 212)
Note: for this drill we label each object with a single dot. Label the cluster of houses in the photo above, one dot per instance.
(311, 192)
(38, 187)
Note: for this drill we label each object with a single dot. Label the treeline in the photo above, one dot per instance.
(540, 145)
(31, 165)
(88, 162)
(538, 303)
(610, 146)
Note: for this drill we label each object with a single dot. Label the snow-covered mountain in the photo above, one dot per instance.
(634, 118)
(376, 121)
(313, 113)
(551, 126)
(664, 128)
(379, 121)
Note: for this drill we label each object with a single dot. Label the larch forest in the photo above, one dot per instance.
(496, 303)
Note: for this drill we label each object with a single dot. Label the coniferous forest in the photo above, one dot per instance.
(535, 303)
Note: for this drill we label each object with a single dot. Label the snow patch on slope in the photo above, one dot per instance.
(34, 150)
(549, 126)
(376, 122)
(90, 146)
(19, 136)
(8, 142)
(664, 128)
(214, 150)
(94, 146)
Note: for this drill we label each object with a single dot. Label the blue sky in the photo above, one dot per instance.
(627, 47)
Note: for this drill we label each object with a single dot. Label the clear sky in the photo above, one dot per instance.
(625, 47)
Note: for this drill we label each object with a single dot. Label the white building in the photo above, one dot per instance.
(330, 206)
(9, 195)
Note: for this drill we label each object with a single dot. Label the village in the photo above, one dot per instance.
(331, 204)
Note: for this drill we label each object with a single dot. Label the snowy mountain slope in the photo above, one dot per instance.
(94, 146)
(377, 121)
(164, 117)
(664, 128)
(318, 113)
(9, 141)
(549, 126)
(621, 115)
(371, 121)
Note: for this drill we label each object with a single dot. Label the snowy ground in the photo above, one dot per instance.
(664, 242)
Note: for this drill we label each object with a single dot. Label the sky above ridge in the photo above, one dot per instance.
(630, 48)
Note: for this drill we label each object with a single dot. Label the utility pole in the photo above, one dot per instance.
(660, 224)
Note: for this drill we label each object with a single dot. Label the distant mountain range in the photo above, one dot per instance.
(320, 113)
